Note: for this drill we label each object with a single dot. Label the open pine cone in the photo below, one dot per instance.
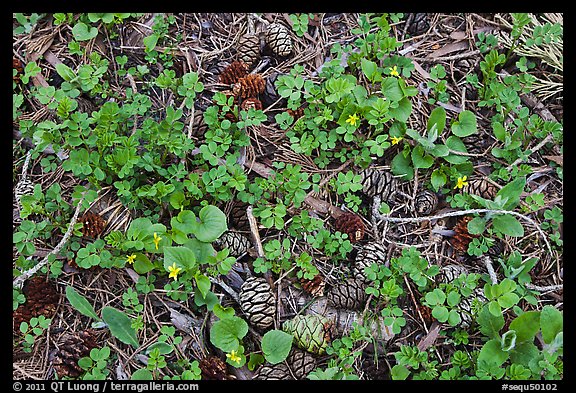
(425, 202)
(258, 302)
(481, 187)
(377, 182)
(249, 86)
(349, 294)
(41, 299)
(301, 363)
(232, 73)
(462, 238)
(92, 224)
(249, 49)
(351, 224)
(73, 347)
(213, 369)
(369, 254)
(251, 102)
(278, 39)
(237, 243)
(315, 286)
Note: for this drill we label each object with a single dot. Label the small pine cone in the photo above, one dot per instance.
(481, 187)
(297, 113)
(249, 86)
(17, 65)
(419, 24)
(462, 238)
(352, 225)
(251, 102)
(278, 371)
(23, 187)
(312, 333)
(199, 125)
(233, 73)
(278, 39)
(449, 273)
(349, 294)
(496, 250)
(237, 243)
(270, 94)
(249, 49)
(426, 314)
(72, 348)
(476, 143)
(425, 202)
(258, 302)
(465, 306)
(301, 363)
(314, 287)
(213, 369)
(237, 217)
(369, 254)
(41, 299)
(92, 224)
(376, 182)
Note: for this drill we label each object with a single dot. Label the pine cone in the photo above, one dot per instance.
(448, 274)
(17, 65)
(297, 113)
(481, 187)
(249, 86)
(233, 73)
(496, 249)
(109, 207)
(213, 369)
(278, 371)
(419, 24)
(92, 224)
(311, 333)
(376, 182)
(249, 49)
(352, 225)
(258, 302)
(251, 102)
(278, 39)
(73, 348)
(23, 187)
(238, 218)
(237, 243)
(41, 299)
(270, 94)
(369, 254)
(425, 202)
(314, 287)
(301, 363)
(349, 294)
(462, 237)
(475, 143)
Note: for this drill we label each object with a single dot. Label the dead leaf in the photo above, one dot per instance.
(430, 338)
(557, 159)
(449, 48)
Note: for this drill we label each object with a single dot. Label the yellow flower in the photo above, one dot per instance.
(233, 357)
(396, 139)
(156, 239)
(130, 258)
(394, 71)
(461, 182)
(174, 271)
(352, 119)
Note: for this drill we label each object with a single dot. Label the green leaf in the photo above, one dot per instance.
(210, 300)
(551, 323)
(369, 68)
(526, 326)
(120, 326)
(84, 32)
(508, 341)
(201, 250)
(212, 224)
(438, 118)
(438, 179)
(142, 374)
(65, 72)
(440, 313)
(276, 345)
(508, 225)
(85, 363)
(490, 324)
(150, 42)
(499, 131)
(142, 264)
(80, 303)
(440, 151)
(400, 166)
(255, 360)
(524, 353)
(477, 225)
(226, 334)
(182, 256)
(492, 353)
(511, 192)
(391, 90)
(185, 222)
(402, 111)
(466, 124)
(400, 372)
(203, 283)
(507, 300)
(421, 159)
(162, 347)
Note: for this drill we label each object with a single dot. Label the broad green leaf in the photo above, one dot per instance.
(201, 250)
(212, 224)
(492, 353)
(226, 334)
(370, 69)
(202, 283)
(255, 360)
(142, 374)
(65, 72)
(210, 300)
(185, 222)
(142, 264)
(551, 323)
(182, 256)
(453, 298)
(508, 225)
(440, 313)
(508, 341)
(120, 326)
(490, 324)
(507, 300)
(391, 90)
(511, 192)
(526, 326)
(401, 166)
(438, 179)
(150, 42)
(162, 347)
(440, 151)
(420, 159)
(80, 303)
(524, 353)
(454, 318)
(276, 345)
(466, 124)
(402, 111)
(438, 118)
(499, 131)
(223, 312)
(400, 372)
(84, 32)
(476, 225)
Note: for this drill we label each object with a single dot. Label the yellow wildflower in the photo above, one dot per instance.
(233, 357)
(156, 239)
(396, 139)
(130, 258)
(461, 182)
(174, 271)
(394, 71)
(352, 119)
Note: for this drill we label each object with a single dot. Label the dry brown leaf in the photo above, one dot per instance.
(449, 48)
(557, 159)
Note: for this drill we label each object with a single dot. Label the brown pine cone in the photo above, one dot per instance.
(297, 113)
(231, 74)
(314, 287)
(278, 371)
(213, 369)
(462, 237)
(237, 243)
(72, 348)
(377, 182)
(481, 187)
(237, 217)
(301, 363)
(352, 225)
(17, 65)
(258, 302)
(425, 202)
(41, 299)
(251, 102)
(249, 86)
(249, 49)
(349, 294)
(369, 254)
(92, 224)
(279, 40)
